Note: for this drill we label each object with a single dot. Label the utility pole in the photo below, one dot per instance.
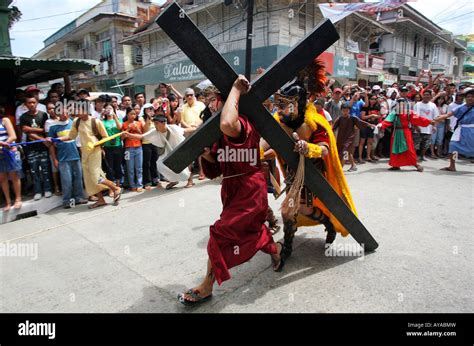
(248, 48)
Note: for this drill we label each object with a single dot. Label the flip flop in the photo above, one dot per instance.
(117, 197)
(197, 298)
(419, 168)
(394, 169)
(169, 186)
(97, 205)
(280, 264)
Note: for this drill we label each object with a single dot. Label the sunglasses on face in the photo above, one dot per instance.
(189, 95)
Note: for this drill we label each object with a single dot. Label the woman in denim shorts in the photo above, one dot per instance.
(10, 162)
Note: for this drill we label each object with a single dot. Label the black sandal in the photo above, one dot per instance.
(279, 266)
(117, 196)
(197, 298)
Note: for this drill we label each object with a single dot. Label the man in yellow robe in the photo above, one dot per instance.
(317, 142)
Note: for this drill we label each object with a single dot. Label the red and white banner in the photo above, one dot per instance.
(337, 11)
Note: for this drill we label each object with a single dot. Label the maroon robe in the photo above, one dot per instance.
(240, 232)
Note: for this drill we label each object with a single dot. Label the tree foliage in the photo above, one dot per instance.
(14, 16)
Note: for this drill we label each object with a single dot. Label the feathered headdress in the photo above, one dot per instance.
(314, 76)
(310, 80)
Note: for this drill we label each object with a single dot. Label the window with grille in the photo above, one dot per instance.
(435, 55)
(302, 20)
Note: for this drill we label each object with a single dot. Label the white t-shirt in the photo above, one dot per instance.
(96, 115)
(453, 120)
(327, 115)
(49, 123)
(427, 110)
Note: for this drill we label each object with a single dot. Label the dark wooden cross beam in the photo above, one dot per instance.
(195, 45)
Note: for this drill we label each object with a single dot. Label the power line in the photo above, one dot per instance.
(34, 30)
(60, 14)
(457, 17)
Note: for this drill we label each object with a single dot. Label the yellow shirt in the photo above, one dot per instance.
(190, 114)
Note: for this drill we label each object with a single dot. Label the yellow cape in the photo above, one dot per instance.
(334, 173)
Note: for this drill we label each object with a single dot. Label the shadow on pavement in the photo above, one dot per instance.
(308, 259)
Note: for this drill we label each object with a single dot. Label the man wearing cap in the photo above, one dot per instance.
(462, 141)
(166, 138)
(376, 89)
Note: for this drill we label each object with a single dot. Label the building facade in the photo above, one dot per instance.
(418, 44)
(96, 35)
(277, 27)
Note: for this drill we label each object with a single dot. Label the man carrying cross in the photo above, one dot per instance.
(178, 26)
(240, 231)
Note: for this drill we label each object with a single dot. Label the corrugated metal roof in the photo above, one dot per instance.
(32, 71)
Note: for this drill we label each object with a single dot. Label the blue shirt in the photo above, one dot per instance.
(66, 151)
(468, 117)
(357, 108)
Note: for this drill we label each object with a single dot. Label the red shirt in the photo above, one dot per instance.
(134, 127)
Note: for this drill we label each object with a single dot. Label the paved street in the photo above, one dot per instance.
(138, 256)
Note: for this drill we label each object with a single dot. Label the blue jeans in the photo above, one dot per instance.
(40, 170)
(438, 136)
(134, 160)
(71, 181)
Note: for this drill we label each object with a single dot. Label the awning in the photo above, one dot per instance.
(32, 71)
(369, 71)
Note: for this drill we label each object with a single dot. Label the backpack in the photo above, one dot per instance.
(94, 128)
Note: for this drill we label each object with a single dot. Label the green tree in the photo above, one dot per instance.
(14, 16)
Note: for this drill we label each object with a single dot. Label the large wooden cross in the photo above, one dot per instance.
(179, 27)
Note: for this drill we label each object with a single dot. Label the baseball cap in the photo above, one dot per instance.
(376, 87)
(404, 88)
(159, 118)
(32, 89)
(83, 91)
(337, 90)
(468, 91)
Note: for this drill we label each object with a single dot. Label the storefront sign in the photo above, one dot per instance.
(344, 67)
(377, 63)
(185, 70)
